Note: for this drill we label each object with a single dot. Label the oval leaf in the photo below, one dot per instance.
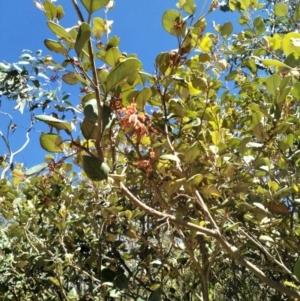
(59, 31)
(94, 5)
(55, 122)
(94, 168)
(35, 169)
(56, 46)
(126, 70)
(83, 36)
(51, 143)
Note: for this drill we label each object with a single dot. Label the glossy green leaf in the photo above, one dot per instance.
(216, 137)
(291, 44)
(125, 71)
(52, 143)
(56, 46)
(281, 9)
(272, 84)
(50, 10)
(169, 19)
(84, 34)
(55, 122)
(94, 5)
(112, 56)
(94, 168)
(192, 153)
(142, 98)
(296, 90)
(59, 30)
(35, 169)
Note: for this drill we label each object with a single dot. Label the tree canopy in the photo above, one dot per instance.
(182, 184)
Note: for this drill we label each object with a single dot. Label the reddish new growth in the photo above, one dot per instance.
(147, 165)
(130, 118)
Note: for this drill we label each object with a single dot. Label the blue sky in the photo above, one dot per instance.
(136, 22)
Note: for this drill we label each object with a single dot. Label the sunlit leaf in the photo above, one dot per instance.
(51, 143)
(94, 5)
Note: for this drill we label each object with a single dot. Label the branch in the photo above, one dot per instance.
(161, 215)
(231, 250)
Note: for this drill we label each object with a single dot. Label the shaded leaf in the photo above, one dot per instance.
(94, 168)
(84, 34)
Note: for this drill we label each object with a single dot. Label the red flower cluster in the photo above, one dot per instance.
(131, 118)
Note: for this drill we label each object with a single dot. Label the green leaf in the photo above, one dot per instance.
(272, 84)
(281, 9)
(170, 158)
(84, 34)
(226, 29)
(274, 63)
(108, 275)
(296, 90)
(142, 98)
(297, 13)
(60, 12)
(126, 70)
(90, 110)
(297, 269)
(232, 75)
(108, 117)
(94, 5)
(206, 44)
(156, 295)
(259, 25)
(112, 56)
(56, 46)
(72, 294)
(121, 281)
(55, 122)
(216, 138)
(51, 143)
(189, 6)
(59, 31)
(169, 18)
(291, 44)
(35, 169)
(50, 10)
(94, 168)
(72, 78)
(89, 129)
(162, 62)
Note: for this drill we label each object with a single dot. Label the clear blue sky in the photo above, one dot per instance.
(136, 22)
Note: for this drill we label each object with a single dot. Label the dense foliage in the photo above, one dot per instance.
(183, 184)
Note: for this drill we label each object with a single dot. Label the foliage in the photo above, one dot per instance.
(184, 183)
